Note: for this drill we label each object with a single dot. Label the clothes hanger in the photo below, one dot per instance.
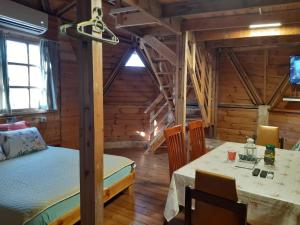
(95, 24)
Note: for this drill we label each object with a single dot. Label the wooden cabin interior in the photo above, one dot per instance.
(121, 82)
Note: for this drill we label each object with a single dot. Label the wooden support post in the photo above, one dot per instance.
(181, 80)
(266, 63)
(191, 64)
(216, 90)
(91, 130)
(152, 127)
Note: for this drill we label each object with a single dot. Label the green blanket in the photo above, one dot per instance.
(32, 183)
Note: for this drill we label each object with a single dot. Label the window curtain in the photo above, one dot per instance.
(49, 69)
(4, 85)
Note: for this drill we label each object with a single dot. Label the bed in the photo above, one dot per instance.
(42, 188)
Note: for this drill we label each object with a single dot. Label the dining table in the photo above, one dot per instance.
(270, 201)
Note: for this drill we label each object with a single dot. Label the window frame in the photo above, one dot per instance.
(28, 65)
(129, 58)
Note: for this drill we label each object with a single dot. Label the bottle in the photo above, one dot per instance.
(269, 154)
(250, 148)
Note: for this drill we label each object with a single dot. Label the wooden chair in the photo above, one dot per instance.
(216, 201)
(269, 135)
(176, 148)
(197, 139)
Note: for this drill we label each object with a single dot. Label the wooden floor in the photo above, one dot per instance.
(146, 204)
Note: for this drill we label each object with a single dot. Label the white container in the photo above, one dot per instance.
(250, 148)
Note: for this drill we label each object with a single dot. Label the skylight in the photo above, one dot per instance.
(134, 61)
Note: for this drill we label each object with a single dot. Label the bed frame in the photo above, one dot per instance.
(73, 216)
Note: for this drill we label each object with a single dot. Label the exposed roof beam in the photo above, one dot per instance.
(255, 42)
(238, 21)
(153, 9)
(278, 93)
(246, 33)
(117, 69)
(191, 7)
(244, 78)
(122, 10)
(66, 8)
(134, 19)
(158, 31)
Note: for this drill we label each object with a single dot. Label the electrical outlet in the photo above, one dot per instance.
(43, 119)
(11, 119)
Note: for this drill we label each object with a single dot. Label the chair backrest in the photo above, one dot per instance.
(268, 135)
(176, 148)
(239, 210)
(197, 139)
(224, 208)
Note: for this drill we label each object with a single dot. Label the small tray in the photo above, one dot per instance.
(247, 162)
(248, 159)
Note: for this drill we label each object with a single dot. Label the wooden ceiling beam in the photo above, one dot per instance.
(255, 42)
(66, 8)
(159, 32)
(226, 34)
(192, 7)
(134, 20)
(152, 8)
(239, 21)
(122, 10)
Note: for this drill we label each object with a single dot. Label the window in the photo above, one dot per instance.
(134, 61)
(24, 74)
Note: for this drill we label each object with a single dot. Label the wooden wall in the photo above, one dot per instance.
(124, 105)
(70, 96)
(62, 126)
(237, 115)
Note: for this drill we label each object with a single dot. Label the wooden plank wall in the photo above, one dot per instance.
(124, 105)
(70, 82)
(69, 94)
(237, 116)
(70, 86)
(50, 129)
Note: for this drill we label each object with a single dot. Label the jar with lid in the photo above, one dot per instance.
(250, 148)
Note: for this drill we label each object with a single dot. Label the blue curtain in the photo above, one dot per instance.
(4, 85)
(50, 69)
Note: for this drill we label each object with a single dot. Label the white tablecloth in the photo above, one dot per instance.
(270, 202)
